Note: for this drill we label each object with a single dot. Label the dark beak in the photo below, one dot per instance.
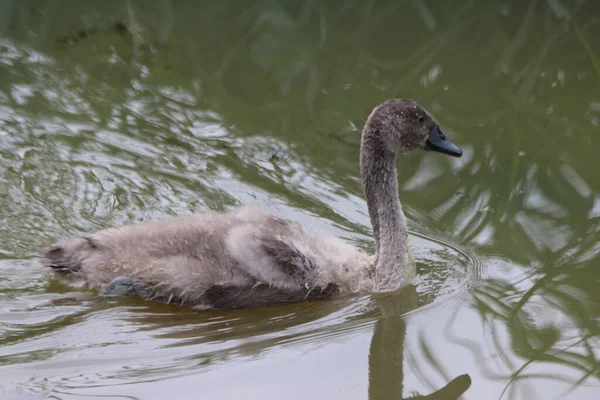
(438, 141)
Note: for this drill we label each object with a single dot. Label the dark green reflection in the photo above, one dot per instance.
(386, 353)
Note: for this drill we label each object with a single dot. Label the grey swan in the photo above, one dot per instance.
(249, 257)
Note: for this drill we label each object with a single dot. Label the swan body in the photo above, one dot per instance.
(250, 257)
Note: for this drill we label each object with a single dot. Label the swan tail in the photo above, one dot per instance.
(67, 258)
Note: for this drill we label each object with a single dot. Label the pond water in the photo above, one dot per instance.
(117, 112)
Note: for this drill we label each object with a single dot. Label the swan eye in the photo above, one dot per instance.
(421, 118)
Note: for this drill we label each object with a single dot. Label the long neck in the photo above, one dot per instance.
(378, 170)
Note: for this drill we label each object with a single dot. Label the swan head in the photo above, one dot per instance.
(402, 126)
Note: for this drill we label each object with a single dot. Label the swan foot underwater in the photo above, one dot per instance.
(249, 257)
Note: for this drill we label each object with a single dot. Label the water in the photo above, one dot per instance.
(117, 112)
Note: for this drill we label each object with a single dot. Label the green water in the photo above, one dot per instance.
(116, 112)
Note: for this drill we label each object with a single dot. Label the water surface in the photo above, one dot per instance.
(118, 112)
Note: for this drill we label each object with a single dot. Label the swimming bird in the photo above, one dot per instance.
(251, 257)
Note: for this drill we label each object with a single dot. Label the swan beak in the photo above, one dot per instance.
(439, 142)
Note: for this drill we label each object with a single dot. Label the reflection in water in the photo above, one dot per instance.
(386, 353)
(550, 322)
(192, 342)
(249, 333)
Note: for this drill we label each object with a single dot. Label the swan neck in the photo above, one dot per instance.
(380, 181)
